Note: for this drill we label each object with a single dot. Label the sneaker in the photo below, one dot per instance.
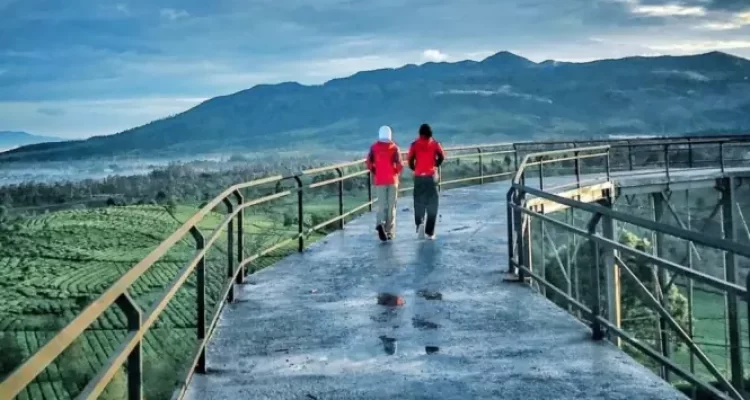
(431, 237)
(420, 231)
(391, 236)
(381, 232)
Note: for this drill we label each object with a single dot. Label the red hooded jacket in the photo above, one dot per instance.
(425, 155)
(384, 161)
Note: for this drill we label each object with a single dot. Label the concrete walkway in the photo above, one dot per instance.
(310, 327)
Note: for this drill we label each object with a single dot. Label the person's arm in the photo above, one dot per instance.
(411, 157)
(398, 163)
(370, 161)
(440, 154)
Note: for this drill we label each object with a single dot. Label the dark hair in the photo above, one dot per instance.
(425, 131)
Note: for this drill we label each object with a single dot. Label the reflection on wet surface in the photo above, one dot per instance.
(420, 323)
(390, 300)
(389, 345)
(429, 295)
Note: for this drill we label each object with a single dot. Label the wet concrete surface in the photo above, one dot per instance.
(311, 327)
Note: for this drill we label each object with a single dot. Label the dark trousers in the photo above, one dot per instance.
(425, 201)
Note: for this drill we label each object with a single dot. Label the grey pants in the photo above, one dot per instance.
(426, 201)
(386, 215)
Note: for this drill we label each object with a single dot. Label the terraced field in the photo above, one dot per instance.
(56, 264)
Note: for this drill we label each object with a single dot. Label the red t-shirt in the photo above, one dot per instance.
(384, 161)
(425, 155)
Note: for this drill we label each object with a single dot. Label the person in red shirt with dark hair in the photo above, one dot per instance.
(425, 157)
(384, 162)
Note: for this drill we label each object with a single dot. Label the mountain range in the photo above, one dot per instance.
(501, 98)
(11, 139)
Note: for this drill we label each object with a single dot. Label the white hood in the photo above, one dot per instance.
(385, 134)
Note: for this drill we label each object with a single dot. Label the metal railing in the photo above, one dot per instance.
(504, 157)
(604, 273)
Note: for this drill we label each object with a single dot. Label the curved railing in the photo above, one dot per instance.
(601, 307)
(140, 321)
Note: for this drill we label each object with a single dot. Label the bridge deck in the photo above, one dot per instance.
(311, 328)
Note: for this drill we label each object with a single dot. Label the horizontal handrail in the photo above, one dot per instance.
(520, 244)
(31, 368)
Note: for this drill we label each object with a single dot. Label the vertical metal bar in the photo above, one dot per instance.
(528, 250)
(657, 200)
(510, 218)
(691, 285)
(440, 178)
(481, 167)
(341, 197)
(612, 271)
(578, 169)
(630, 155)
(690, 153)
(135, 359)
(569, 256)
(515, 157)
(730, 274)
(200, 298)
(230, 250)
(596, 299)
(607, 165)
(240, 237)
(518, 225)
(369, 191)
(543, 252)
(300, 216)
(721, 156)
(541, 175)
(666, 161)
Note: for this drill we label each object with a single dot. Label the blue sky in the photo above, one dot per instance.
(77, 68)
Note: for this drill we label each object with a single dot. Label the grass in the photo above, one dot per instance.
(56, 264)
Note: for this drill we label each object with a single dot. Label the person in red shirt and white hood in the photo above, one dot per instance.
(425, 157)
(384, 162)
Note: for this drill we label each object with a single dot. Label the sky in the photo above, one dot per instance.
(77, 68)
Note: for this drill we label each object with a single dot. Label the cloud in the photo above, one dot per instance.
(668, 10)
(172, 14)
(434, 55)
(82, 51)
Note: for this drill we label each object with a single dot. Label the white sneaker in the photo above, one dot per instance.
(431, 237)
(420, 231)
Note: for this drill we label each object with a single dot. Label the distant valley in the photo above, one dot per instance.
(503, 98)
(11, 139)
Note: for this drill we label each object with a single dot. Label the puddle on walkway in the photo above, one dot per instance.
(420, 323)
(389, 345)
(430, 295)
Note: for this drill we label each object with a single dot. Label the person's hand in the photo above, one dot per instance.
(436, 176)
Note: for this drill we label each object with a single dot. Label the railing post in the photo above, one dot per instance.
(728, 202)
(630, 155)
(607, 165)
(578, 169)
(612, 271)
(369, 191)
(657, 201)
(230, 249)
(541, 175)
(515, 157)
(596, 299)
(510, 217)
(721, 156)
(666, 161)
(340, 173)
(240, 237)
(481, 167)
(518, 225)
(200, 297)
(135, 360)
(440, 178)
(300, 215)
(690, 153)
